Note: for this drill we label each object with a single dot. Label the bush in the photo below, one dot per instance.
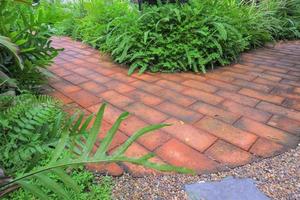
(183, 37)
(24, 26)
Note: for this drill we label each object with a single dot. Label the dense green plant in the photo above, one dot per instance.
(182, 37)
(85, 180)
(77, 137)
(26, 129)
(25, 27)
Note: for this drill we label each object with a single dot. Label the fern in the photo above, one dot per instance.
(26, 128)
(71, 152)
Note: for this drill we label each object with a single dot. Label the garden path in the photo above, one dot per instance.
(229, 117)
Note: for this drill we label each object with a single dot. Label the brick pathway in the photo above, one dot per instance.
(229, 117)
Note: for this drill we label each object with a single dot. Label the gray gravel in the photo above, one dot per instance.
(277, 177)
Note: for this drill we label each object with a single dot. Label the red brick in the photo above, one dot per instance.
(292, 103)
(151, 88)
(272, 68)
(248, 68)
(200, 86)
(106, 168)
(271, 83)
(250, 112)
(148, 99)
(285, 124)
(146, 113)
(227, 132)
(266, 148)
(228, 154)
(93, 87)
(215, 112)
(279, 110)
(170, 77)
(252, 85)
(267, 132)
(203, 96)
(65, 87)
(262, 96)
(297, 90)
(266, 76)
(61, 97)
(104, 71)
(84, 98)
(223, 85)
(290, 82)
(61, 72)
(83, 71)
(146, 77)
(176, 97)
(150, 140)
(137, 151)
(195, 76)
(218, 76)
(247, 77)
(119, 86)
(99, 78)
(281, 75)
(238, 98)
(116, 99)
(111, 113)
(180, 154)
(181, 113)
(171, 85)
(123, 78)
(75, 79)
(118, 139)
(190, 135)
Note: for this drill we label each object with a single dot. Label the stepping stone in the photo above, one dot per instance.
(227, 189)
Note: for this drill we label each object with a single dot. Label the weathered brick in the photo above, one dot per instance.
(99, 78)
(267, 132)
(187, 133)
(148, 99)
(171, 85)
(93, 87)
(223, 85)
(247, 111)
(228, 154)
(61, 97)
(180, 154)
(285, 124)
(247, 77)
(150, 140)
(215, 112)
(252, 85)
(146, 77)
(242, 99)
(83, 71)
(181, 113)
(75, 79)
(84, 98)
(203, 96)
(279, 110)
(146, 113)
(65, 87)
(266, 148)
(111, 113)
(151, 88)
(116, 99)
(123, 78)
(119, 86)
(227, 132)
(176, 97)
(200, 85)
(262, 96)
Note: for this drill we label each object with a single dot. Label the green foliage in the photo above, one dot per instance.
(74, 148)
(25, 27)
(84, 180)
(182, 37)
(26, 129)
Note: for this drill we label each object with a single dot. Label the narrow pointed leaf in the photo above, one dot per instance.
(68, 181)
(34, 189)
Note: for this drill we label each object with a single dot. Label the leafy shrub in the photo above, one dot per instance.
(26, 129)
(25, 27)
(183, 37)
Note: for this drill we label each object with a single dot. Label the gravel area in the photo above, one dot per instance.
(277, 177)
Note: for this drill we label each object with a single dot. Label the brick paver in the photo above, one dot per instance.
(226, 118)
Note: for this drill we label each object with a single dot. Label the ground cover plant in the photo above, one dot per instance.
(193, 36)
